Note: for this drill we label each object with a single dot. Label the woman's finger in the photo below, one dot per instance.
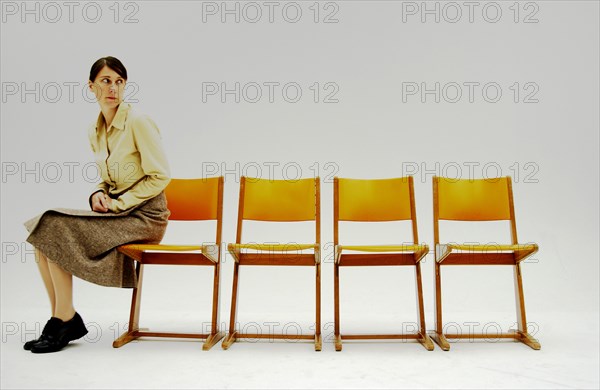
(102, 200)
(97, 206)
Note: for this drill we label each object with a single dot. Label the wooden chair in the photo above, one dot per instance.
(188, 200)
(478, 200)
(276, 201)
(377, 201)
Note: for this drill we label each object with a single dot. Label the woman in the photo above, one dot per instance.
(129, 205)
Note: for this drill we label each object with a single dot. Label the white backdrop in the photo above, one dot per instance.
(294, 89)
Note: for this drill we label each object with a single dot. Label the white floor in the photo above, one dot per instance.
(569, 358)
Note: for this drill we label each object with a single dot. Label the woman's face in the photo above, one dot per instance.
(108, 87)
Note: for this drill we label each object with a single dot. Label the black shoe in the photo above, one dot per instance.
(50, 327)
(62, 335)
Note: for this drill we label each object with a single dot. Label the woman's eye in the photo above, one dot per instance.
(119, 81)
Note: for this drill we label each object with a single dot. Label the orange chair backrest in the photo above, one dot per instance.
(279, 200)
(194, 199)
(373, 200)
(473, 200)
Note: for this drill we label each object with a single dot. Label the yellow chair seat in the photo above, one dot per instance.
(136, 251)
(384, 248)
(521, 251)
(272, 247)
(236, 249)
(419, 250)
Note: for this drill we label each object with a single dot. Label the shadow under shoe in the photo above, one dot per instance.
(61, 335)
(50, 327)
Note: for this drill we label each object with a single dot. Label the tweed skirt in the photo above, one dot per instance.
(84, 243)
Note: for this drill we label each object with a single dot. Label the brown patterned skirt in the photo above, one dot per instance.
(84, 242)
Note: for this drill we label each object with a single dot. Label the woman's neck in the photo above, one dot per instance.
(109, 114)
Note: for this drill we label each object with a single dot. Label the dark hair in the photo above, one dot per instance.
(112, 63)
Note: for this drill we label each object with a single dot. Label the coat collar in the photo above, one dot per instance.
(119, 119)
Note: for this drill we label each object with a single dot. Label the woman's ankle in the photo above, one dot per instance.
(66, 315)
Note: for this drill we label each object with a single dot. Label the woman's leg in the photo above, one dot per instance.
(66, 325)
(42, 262)
(63, 290)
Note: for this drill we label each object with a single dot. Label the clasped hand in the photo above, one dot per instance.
(101, 202)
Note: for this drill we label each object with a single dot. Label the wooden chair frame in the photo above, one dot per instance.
(196, 255)
(269, 255)
(493, 254)
(386, 255)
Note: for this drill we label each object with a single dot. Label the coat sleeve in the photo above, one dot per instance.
(153, 163)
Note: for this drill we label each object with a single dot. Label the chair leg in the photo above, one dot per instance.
(336, 304)
(318, 343)
(423, 337)
(134, 313)
(438, 335)
(215, 335)
(318, 340)
(338, 342)
(211, 340)
(230, 338)
(525, 337)
(529, 340)
(426, 341)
